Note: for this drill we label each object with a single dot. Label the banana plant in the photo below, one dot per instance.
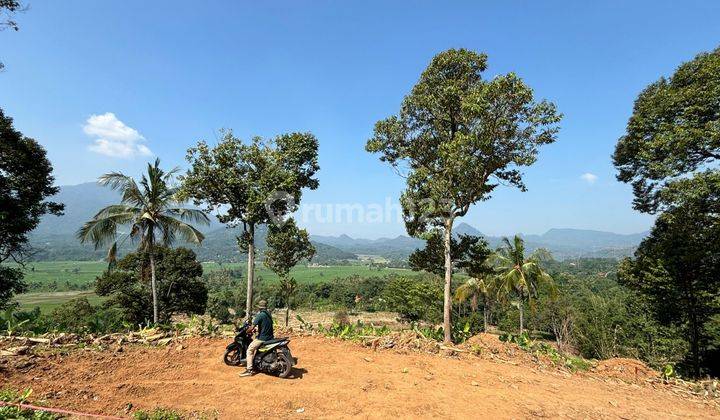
(12, 324)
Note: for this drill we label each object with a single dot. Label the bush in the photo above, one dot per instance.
(79, 316)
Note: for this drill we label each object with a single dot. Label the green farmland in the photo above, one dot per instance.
(55, 282)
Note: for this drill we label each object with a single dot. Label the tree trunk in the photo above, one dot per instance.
(474, 302)
(447, 303)
(287, 315)
(250, 270)
(695, 344)
(485, 316)
(520, 306)
(153, 285)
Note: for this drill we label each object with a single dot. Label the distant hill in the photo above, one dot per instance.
(563, 243)
(54, 238)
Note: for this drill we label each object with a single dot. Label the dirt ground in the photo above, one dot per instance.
(336, 379)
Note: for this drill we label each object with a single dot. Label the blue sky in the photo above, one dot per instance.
(172, 73)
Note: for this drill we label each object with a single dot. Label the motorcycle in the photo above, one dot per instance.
(272, 357)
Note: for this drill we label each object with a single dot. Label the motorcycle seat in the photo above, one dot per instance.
(274, 340)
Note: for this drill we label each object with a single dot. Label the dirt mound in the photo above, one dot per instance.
(629, 370)
(489, 342)
(403, 342)
(335, 379)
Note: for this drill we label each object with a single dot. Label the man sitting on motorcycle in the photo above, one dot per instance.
(264, 323)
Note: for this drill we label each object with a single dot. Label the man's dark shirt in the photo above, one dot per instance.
(265, 325)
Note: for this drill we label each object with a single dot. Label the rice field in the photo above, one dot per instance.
(60, 281)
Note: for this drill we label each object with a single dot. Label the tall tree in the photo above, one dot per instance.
(251, 184)
(674, 130)
(26, 182)
(669, 154)
(677, 267)
(456, 138)
(152, 210)
(520, 275)
(287, 245)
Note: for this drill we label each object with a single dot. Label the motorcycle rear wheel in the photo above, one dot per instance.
(285, 365)
(232, 357)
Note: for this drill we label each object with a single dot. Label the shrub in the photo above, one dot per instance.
(157, 414)
(341, 318)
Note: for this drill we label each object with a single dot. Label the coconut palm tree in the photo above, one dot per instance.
(151, 210)
(520, 275)
(472, 289)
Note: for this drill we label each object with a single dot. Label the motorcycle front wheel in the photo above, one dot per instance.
(232, 357)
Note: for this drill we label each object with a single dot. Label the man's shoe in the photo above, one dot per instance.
(247, 372)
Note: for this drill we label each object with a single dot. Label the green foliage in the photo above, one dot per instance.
(414, 299)
(11, 283)
(356, 331)
(674, 130)
(467, 252)
(287, 246)
(157, 414)
(180, 287)
(15, 413)
(524, 341)
(26, 182)
(10, 323)
(676, 270)
(79, 316)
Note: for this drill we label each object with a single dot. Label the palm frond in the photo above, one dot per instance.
(115, 209)
(102, 231)
(114, 180)
(174, 227)
(190, 215)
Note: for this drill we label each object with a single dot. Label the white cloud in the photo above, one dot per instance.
(113, 138)
(589, 178)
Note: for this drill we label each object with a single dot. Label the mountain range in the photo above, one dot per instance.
(562, 243)
(54, 238)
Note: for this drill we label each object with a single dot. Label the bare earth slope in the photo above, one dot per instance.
(337, 379)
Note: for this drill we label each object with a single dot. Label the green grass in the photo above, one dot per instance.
(47, 301)
(309, 275)
(66, 277)
(62, 273)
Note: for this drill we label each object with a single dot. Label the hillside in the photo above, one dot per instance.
(54, 239)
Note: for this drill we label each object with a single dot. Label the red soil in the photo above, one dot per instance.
(337, 379)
